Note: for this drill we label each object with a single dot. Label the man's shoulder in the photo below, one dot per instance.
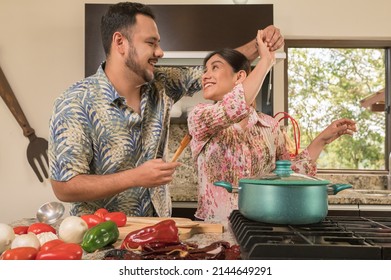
(81, 88)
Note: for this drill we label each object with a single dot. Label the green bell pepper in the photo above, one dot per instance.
(99, 236)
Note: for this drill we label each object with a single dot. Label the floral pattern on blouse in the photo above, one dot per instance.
(223, 151)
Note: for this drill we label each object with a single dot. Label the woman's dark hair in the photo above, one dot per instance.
(119, 17)
(236, 59)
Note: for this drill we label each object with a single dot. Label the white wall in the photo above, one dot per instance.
(42, 53)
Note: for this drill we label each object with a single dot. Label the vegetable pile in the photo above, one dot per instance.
(76, 235)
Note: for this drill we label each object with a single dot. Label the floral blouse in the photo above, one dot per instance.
(223, 151)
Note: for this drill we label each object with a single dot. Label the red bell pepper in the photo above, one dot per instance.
(20, 253)
(117, 217)
(165, 232)
(92, 219)
(60, 251)
(101, 212)
(50, 244)
(21, 229)
(38, 228)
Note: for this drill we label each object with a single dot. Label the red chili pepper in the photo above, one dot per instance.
(163, 232)
(117, 217)
(38, 228)
(92, 220)
(64, 251)
(21, 229)
(20, 253)
(101, 212)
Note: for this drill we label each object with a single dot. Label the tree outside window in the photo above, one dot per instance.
(325, 84)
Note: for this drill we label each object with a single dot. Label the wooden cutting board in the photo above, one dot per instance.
(186, 227)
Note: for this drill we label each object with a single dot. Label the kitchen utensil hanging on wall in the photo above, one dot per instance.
(38, 147)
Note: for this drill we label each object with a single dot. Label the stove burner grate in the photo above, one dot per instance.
(337, 237)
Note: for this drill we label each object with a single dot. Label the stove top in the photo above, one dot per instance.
(337, 237)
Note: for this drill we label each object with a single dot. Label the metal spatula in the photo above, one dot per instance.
(38, 147)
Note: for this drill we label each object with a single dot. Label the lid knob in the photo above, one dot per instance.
(283, 168)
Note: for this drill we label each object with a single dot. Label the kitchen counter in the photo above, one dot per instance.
(349, 197)
(362, 197)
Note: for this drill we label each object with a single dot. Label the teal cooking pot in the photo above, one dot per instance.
(284, 197)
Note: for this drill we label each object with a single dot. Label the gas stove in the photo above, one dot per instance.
(337, 237)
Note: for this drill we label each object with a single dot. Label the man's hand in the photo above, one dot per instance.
(273, 38)
(156, 172)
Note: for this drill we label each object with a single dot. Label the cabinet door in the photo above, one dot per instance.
(186, 27)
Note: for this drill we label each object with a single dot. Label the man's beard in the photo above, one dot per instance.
(134, 66)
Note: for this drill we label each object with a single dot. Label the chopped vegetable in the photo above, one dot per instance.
(99, 236)
(165, 232)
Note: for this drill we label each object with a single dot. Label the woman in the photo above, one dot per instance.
(230, 140)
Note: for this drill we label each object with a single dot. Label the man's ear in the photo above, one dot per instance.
(118, 42)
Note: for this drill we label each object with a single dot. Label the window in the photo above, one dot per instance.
(328, 80)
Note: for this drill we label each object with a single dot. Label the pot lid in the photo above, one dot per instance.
(284, 175)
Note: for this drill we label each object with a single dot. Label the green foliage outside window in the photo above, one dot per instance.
(325, 84)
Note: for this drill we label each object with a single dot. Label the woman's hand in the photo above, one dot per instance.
(331, 133)
(267, 56)
(336, 129)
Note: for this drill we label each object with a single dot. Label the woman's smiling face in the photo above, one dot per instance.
(218, 78)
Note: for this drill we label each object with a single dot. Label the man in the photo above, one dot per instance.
(108, 132)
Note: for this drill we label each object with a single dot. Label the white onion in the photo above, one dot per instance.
(26, 240)
(72, 229)
(6, 236)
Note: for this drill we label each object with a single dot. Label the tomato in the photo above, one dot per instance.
(20, 253)
(92, 219)
(64, 251)
(101, 212)
(51, 244)
(38, 228)
(117, 217)
(21, 229)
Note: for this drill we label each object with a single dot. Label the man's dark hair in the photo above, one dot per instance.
(119, 17)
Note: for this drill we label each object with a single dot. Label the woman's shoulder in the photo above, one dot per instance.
(267, 119)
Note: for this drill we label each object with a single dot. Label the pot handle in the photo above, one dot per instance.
(224, 185)
(336, 188)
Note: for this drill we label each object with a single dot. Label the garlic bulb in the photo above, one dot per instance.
(7, 235)
(46, 236)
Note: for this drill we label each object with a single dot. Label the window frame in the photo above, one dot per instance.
(324, 43)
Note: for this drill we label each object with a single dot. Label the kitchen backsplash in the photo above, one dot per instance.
(184, 184)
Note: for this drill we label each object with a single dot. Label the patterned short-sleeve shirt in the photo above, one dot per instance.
(93, 131)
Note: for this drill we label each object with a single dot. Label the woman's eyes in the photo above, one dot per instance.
(214, 67)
